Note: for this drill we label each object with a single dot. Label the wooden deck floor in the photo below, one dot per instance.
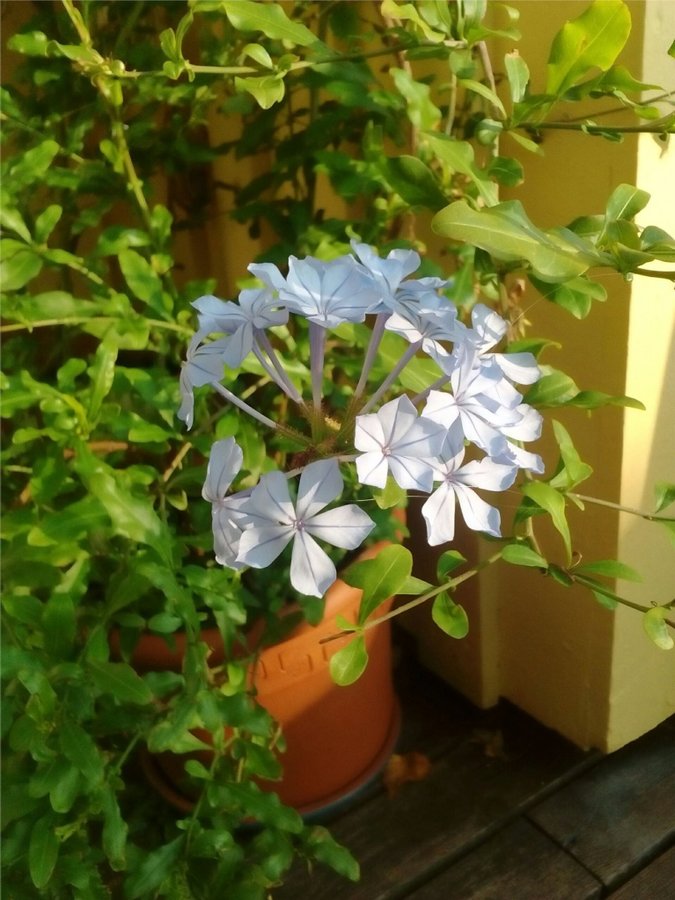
(508, 811)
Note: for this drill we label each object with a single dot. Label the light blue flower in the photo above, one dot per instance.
(273, 521)
(331, 292)
(396, 440)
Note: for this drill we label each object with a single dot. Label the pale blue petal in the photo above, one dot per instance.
(271, 501)
(439, 515)
(258, 547)
(486, 474)
(368, 434)
(372, 468)
(320, 483)
(312, 571)
(346, 526)
(411, 473)
(225, 461)
(478, 515)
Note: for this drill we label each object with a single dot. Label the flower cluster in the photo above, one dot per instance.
(471, 405)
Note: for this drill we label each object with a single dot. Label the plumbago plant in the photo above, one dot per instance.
(345, 369)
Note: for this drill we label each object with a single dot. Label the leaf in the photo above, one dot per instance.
(553, 502)
(450, 616)
(611, 568)
(18, 265)
(414, 585)
(626, 202)
(114, 837)
(408, 12)
(270, 19)
(553, 389)
(324, 848)
(379, 578)
(477, 87)
(58, 622)
(422, 111)
(447, 563)
(143, 281)
(518, 75)
(576, 295)
(46, 222)
(506, 171)
(505, 232)
(132, 517)
(266, 89)
(349, 663)
(522, 555)
(573, 470)
(656, 628)
(102, 374)
(121, 681)
(43, 851)
(459, 157)
(593, 40)
(665, 495)
(80, 749)
(154, 870)
(11, 218)
(414, 182)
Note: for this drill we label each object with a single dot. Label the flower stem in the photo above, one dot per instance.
(371, 353)
(317, 345)
(243, 405)
(283, 380)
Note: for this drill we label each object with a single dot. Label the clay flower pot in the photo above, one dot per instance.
(337, 738)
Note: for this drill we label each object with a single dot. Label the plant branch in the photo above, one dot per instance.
(650, 517)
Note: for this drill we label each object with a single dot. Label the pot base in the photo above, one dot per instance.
(321, 809)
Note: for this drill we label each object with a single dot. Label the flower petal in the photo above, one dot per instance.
(412, 473)
(478, 515)
(260, 546)
(320, 483)
(372, 468)
(346, 526)
(439, 514)
(225, 462)
(270, 501)
(312, 571)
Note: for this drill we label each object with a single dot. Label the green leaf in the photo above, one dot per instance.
(270, 19)
(349, 663)
(80, 749)
(324, 848)
(593, 40)
(573, 470)
(458, 156)
(58, 622)
(665, 495)
(414, 182)
(450, 616)
(414, 585)
(18, 265)
(143, 281)
(656, 628)
(422, 111)
(477, 87)
(391, 495)
(447, 563)
(576, 295)
(611, 568)
(379, 578)
(46, 222)
(64, 793)
(121, 681)
(132, 517)
(505, 231)
(114, 837)
(29, 167)
(12, 219)
(518, 75)
(266, 89)
(154, 870)
(43, 851)
(408, 12)
(506, 171)
(626, 202)
(553, 502)
(102, 374)
(31, 43)
(553, 389)
(523, 555)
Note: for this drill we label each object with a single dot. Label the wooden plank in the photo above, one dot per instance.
(480, 783)
(519, 862)
(656, 882)
(620, 813)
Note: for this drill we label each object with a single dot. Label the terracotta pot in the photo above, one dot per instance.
(337, 738)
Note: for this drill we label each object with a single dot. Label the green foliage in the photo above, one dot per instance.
(104, 532)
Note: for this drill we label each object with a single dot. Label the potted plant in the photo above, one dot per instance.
(112, 192)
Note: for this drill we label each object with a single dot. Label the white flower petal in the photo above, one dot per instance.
(320, 483)
(372, 468)
(396, 418)
(260, 546)
(478, 515)
(411, 473)
(439, 514)
(486, 474)
(225, 462)
(346, 526)
(312, 571)
(368, 434)
(270, 500)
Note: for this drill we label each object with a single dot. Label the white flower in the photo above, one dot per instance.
(488, 329)
(389, 272)
(227, 518)
(257, 310)
(273, 522)
(457, 482)
(397, 440)
(203, 365)
(329, 293)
